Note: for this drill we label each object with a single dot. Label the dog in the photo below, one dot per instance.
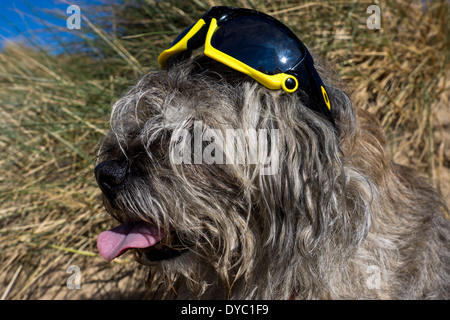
(333, 218)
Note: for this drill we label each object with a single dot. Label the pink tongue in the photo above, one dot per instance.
(114, 242)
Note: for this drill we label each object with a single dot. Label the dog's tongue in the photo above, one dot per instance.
(114, 242)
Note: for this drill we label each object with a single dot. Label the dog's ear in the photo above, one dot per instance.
(300, 184)
(297, 159)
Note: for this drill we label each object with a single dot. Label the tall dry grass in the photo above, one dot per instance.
(54, 109)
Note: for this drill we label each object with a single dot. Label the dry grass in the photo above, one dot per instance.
(55, 108)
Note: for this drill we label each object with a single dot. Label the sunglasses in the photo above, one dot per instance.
(257, 45)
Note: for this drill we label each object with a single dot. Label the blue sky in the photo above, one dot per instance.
(27, 20)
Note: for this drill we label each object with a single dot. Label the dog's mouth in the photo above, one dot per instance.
(155, 244)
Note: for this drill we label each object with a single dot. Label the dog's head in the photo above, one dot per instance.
(206, 169)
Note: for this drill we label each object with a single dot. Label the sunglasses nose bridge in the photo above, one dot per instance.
(182, 44)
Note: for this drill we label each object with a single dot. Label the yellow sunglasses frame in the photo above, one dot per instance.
(276, 81)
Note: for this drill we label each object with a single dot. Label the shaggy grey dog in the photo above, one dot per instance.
(337, 219)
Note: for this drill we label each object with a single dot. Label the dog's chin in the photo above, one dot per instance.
(158, 253)
(167, 249)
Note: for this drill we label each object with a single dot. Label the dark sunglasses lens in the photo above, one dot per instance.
(258, 43)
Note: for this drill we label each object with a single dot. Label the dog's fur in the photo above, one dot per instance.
(339, 220)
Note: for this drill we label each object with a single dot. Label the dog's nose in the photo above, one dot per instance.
(110, 174)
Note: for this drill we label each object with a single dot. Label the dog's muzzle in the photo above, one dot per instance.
(153, 243)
